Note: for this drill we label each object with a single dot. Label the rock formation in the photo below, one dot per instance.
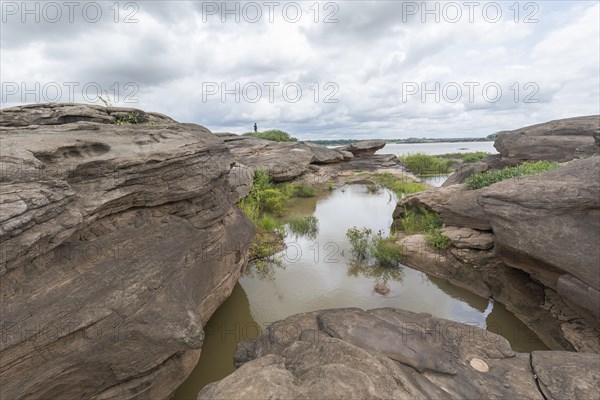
(544, 230)
(286, 161)
(118, 242)
(559, 140)
(396, 354)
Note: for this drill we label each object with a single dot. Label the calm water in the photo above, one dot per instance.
(438, 148)
(317, 273)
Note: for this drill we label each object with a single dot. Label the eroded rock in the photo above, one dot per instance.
(118, 243)
(392, 353)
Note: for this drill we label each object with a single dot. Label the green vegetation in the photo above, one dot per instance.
(438, 240)
(268, 223)
(304, 191)
(365, 244)
(274, 135)
(425, 164)
(399, 186)
(373, 189)
(359, 240)
(385, 250)
(304, 226)
(330, 186)
(466, 157)
(484, 179)
(420, 220)
(131, 118)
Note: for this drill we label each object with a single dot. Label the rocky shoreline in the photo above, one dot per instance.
(120, 237)
(395, 354)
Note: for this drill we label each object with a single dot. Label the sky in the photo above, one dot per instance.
(316, 69)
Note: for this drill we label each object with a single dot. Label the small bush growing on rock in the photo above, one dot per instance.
(420, 220)
(385, 250)
(483, 179)
(438, 240)
(425, 164)
(131, 118)
(274, 135)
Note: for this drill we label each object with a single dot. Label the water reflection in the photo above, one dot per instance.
(229, 325)
(319, 272)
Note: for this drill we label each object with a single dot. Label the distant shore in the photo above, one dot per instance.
(340, 142)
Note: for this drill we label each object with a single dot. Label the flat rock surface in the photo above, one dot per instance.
(567, 375)
(384, 353)
(118, 243)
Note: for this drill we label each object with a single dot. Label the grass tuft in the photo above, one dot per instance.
(425, 164)
(483, 179)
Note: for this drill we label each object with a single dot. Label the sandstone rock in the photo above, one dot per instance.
(567, 375)
(346, 154)
(466, 238)
(391, 353)
(550, 221)
(324, 155)
(456, 205)
(555, 140)
(363, 148)
(490, 163)
(241, 179)
(62, 113)
(118, 243)
(283, 161)
(372, 163)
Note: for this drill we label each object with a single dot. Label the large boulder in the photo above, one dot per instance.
(118, 242)
(284, 161)
(63, 113)
(363, 148)
(559, 140)
(548, 224)
(324, 155)
(392, 353)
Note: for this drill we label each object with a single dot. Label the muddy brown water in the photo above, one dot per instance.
(319, 272)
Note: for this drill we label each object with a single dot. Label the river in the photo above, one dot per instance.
(319, 272)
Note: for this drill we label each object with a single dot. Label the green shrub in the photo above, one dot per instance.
(397, 185)
(438, 240)
(330, 186)
(385, 250)
(359, 240)
(466, 157)
(268, 223)
(131, 118)
(483, 179)
(420, 220)
(264, 245)
(373, 189)
(305, 191)
(425, 164)
(304, 226)
(273, 200)
(274, 135)
(263, 197)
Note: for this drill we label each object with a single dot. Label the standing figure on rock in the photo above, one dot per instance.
(255, 128)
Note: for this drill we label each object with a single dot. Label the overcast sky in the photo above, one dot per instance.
(319, 70)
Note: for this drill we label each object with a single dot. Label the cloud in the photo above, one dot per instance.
(345, 78)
